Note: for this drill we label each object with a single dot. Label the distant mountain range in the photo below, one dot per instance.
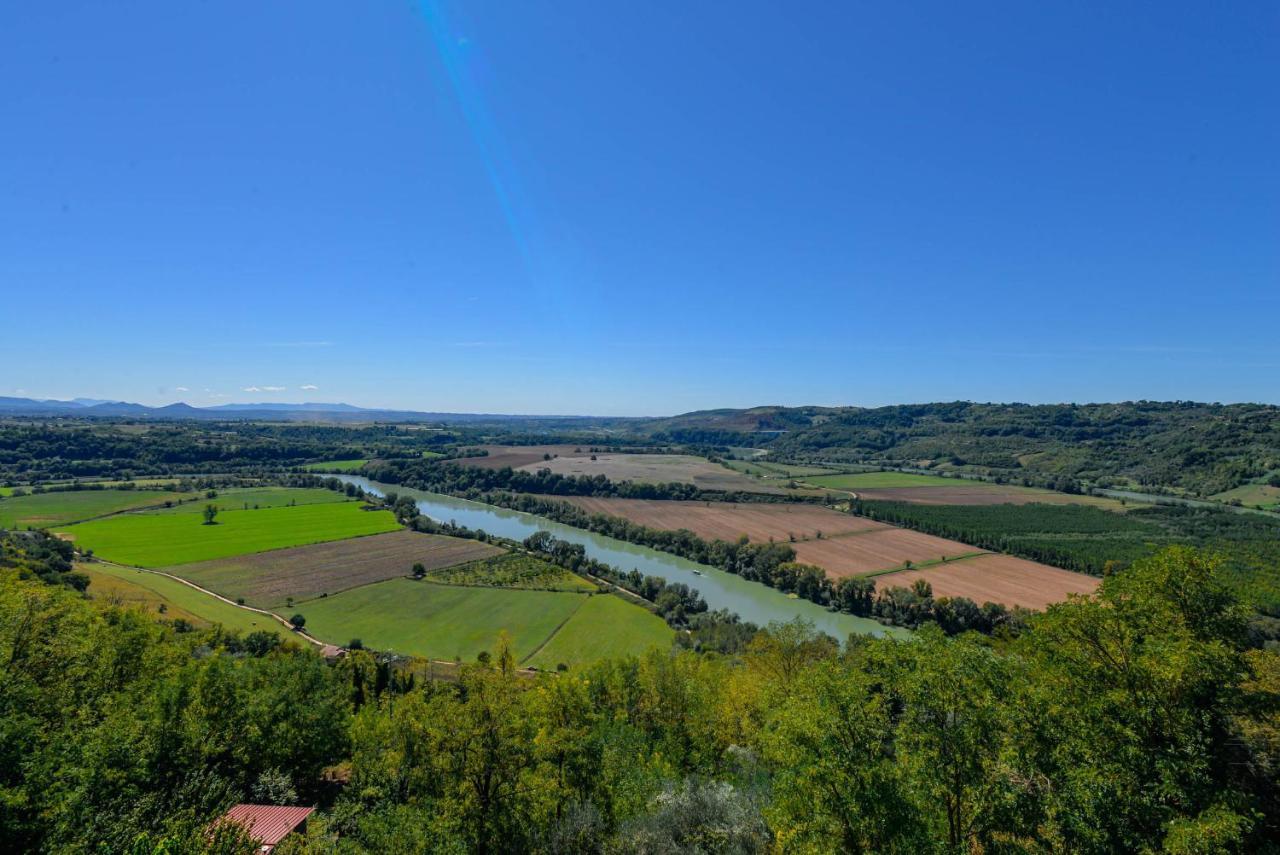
(320, 412)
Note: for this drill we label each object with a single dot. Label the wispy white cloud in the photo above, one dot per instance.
(250, 389)
(308, 387)
(273, 388)
(183, 389)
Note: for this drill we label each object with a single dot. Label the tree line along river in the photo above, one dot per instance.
(752, 601)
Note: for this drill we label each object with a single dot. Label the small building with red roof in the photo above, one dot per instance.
(268, 824)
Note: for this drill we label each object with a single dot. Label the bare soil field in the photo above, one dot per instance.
(516, 456)
(654, 469)
(982, 494)
(728, 521)
(269, 579)
(867, 551)
(998, 579)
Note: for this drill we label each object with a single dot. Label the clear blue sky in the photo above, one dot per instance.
(639, 208)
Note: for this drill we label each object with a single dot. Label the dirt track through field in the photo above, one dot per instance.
(877, 550)
(999, 579)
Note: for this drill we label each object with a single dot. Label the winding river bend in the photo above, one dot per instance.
(755, 602)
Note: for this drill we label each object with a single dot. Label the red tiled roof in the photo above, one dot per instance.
(268, 824)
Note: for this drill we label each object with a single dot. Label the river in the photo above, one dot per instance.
(753, 601)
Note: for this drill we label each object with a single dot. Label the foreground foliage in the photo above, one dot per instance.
(1136, 721)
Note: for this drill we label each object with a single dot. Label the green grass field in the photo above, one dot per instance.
(236, 498)
(6, 491)
(45, 510)
(885, 480)
(150, 589)
(164, 539)
(1253, 495)
(439, 621)
(429, 455)
(336, 465)
(606, 626)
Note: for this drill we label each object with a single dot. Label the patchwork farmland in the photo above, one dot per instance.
(655, 469)
(997, 578)
(165, 539)
(575, 460)
(257, 498)
(760, 522)
(271, 579)
(936, 490)
(848, 546)
(46, 510)
(423, 618)
(151, 589)
(347, 570)
(880, 549)
(516, 456)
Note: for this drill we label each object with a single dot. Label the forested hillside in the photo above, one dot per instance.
(1200, 448)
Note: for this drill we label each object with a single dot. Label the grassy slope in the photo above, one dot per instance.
(126, 591)
(50, 509)
(439, 621)
(1252, 495)
(150, 589)
(163, 539)
(605, 626)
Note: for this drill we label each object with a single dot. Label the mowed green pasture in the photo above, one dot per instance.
(606, 626)
(336, 465)
(164, 539)
(183, 600)
(45, 510)
(885, 480)
(256, 498)
(439, 621)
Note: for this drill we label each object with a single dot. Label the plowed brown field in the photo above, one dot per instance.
(728, 521)
(999, 579)
(864, 552)
(269, 579)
